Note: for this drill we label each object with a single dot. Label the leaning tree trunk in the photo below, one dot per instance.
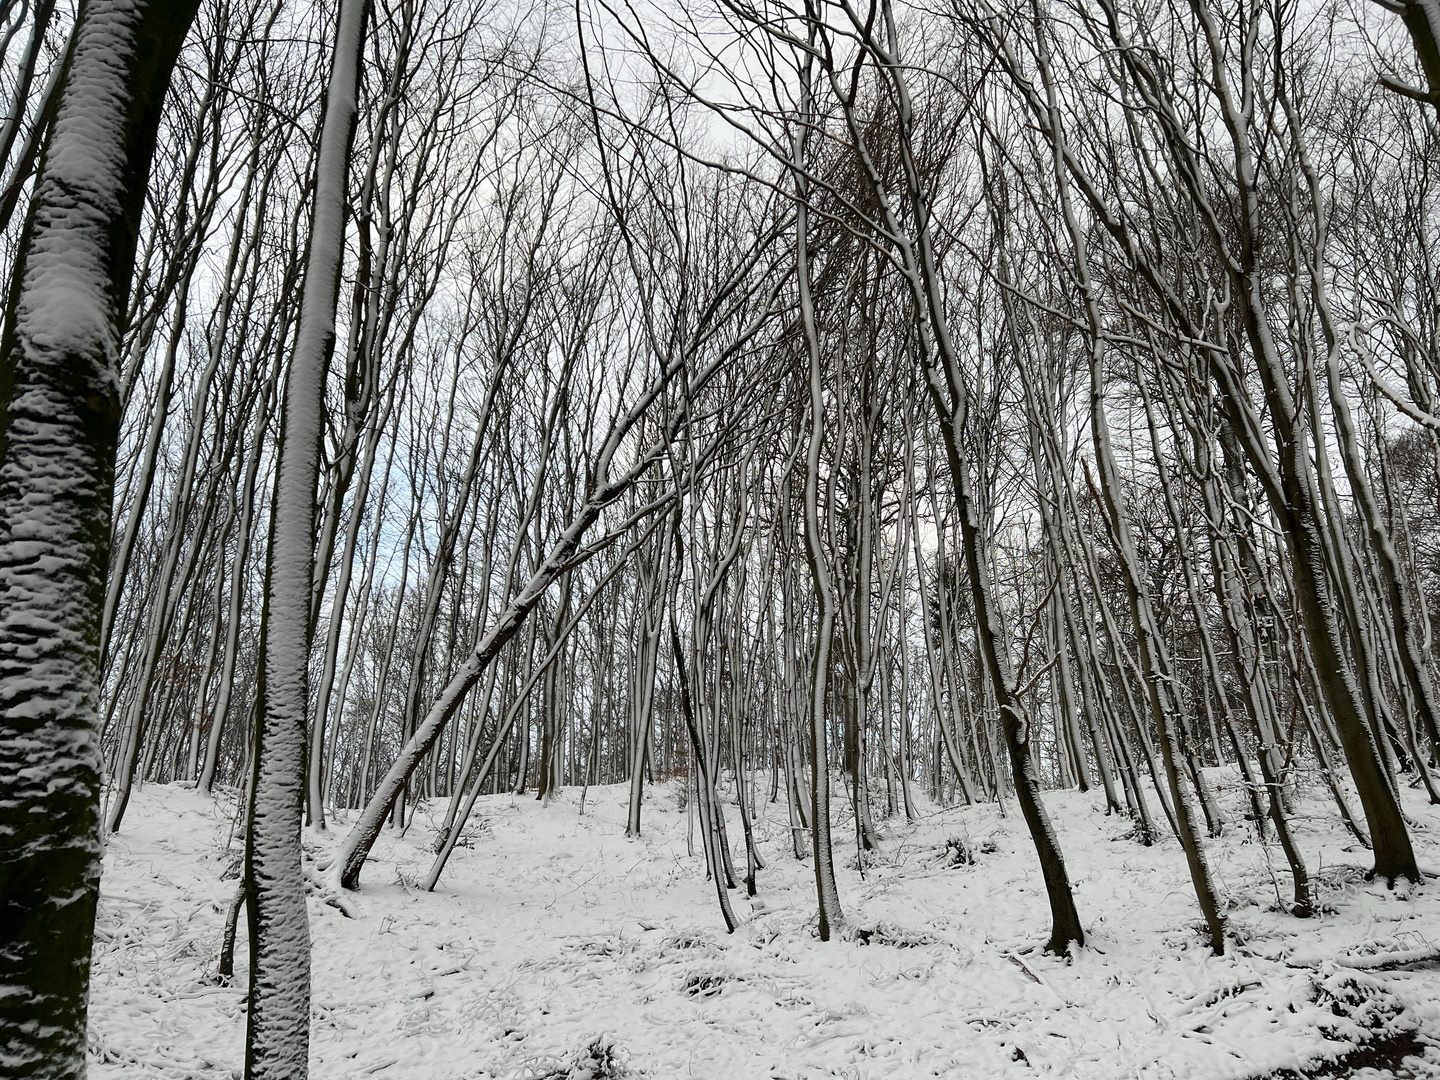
(59, 425)
(945, 385)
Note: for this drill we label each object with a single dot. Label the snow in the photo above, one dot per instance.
(65, 307)
(60, 406)
(554, 945)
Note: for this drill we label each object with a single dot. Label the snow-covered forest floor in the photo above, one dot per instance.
(554, 947)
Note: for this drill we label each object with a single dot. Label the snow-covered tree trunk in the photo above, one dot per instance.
(59, 422)
(653, 589)
(832, 919)
(945, 382)
(1422, 20)
(277, 1036)
(349, 857)
(1296, 498)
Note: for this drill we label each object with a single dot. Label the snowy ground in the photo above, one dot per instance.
(551, 933)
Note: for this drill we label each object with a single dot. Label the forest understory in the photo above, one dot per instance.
(834, 411)
(556, 948)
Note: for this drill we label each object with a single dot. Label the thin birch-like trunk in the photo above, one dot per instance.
(277, 1032)
(832, 920)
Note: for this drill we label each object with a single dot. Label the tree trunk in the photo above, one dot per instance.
(59, 425)
(277, 1033)
(832, 920)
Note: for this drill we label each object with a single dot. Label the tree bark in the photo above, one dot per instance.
(277, 1033)
(59, 426)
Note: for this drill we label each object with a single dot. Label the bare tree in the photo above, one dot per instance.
(277, 1031)
(58, 432)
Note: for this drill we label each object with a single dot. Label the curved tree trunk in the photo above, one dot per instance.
(832, 920)
(59, 425)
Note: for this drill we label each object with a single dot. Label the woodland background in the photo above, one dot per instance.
(899, 406)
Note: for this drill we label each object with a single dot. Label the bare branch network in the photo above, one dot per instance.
(831, 409)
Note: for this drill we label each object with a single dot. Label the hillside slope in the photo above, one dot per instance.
(554, 947)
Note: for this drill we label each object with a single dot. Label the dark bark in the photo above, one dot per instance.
(59, 423)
